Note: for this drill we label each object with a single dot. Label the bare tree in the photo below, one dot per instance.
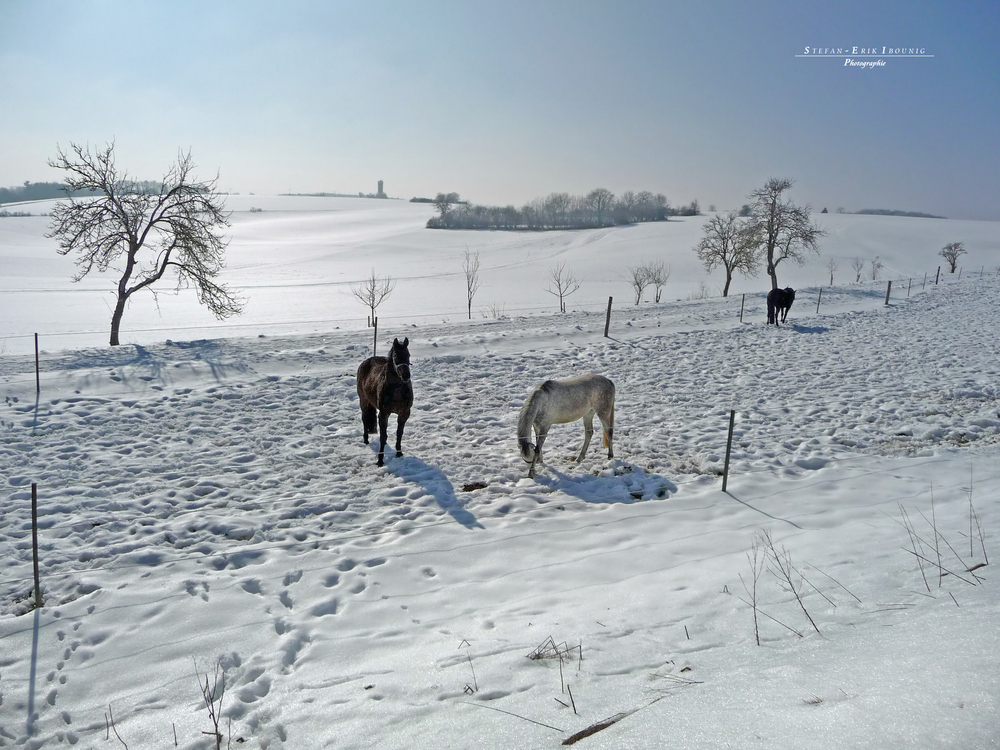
(638, 277)
(659, 275)
(565, 283)
(730, 243)
(143, 233)
(831, 266)
(556, 208)
(951, 253)
(444, 201)
(876, 267)
(601, 201)
(858, 264)
(783, 229)
(373, 291)
(472, 282)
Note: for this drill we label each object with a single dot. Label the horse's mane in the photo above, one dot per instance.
(524, 422)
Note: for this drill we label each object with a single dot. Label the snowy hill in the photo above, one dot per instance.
(296, 258)
(207, 500)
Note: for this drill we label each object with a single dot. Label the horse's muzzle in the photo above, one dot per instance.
(404, 372)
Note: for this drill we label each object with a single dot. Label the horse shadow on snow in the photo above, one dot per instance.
(628, 484)
(435, 482)
(809, 329)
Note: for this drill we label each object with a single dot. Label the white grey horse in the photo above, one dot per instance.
(562, 401)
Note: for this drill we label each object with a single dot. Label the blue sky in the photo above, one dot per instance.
(507, 101)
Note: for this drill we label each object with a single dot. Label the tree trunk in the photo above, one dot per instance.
(729, 280)
(116, 318)
(773, 273)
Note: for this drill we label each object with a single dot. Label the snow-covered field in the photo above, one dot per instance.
(204, 498)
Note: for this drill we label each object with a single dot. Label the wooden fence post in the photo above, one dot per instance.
(729, 449)
(607, 321)
(38, 381)
(375, 338)
(34, 543)
(819, 299)
(938, 277)
(888, 289)
(908, 285)
(742, 303)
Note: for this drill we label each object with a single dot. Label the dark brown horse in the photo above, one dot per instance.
(384, 388)
(779, 302)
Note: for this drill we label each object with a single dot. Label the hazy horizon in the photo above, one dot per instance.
(504, 103)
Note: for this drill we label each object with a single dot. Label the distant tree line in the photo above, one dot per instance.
(39, 191)
(889, 212)
(599, 208)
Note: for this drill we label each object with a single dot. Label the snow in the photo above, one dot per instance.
(205, 498)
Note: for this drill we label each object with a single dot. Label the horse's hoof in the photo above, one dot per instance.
(380, 462)
(399, 454)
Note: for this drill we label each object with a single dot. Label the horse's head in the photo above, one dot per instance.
(399, 358)
(527, 449)
(789, 296)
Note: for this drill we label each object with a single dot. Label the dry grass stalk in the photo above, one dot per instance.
(781, 568)
(549, 649)
(757, 563)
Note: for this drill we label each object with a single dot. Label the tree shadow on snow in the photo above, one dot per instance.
(629, 484)
(433, 480)
(152, 365)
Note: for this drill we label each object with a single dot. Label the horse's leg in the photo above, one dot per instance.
(539, 439)
(400, 423)
(369, 418)
(608, 423)
(588, 433)
(383, 428)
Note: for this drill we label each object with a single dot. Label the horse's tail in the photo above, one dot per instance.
(611, 424)
(524, 422)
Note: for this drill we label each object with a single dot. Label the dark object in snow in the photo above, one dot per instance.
(779, 301)
(384, 388)
(562, 401)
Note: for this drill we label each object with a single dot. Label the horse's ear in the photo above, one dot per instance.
(406, 341)
(395, 342)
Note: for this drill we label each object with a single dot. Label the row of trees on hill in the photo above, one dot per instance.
(38, 191)
(598, 208)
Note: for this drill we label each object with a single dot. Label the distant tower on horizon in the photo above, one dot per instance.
(380, 193)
